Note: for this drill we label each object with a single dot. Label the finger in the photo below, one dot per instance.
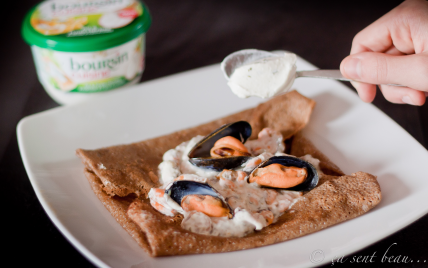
(384, 32)
(366, 41)
(379, 37)
(366, 92)
(394, 51)
(403, 95)
(380, 68)
(374, 38)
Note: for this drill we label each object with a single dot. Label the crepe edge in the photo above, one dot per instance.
(118, 209)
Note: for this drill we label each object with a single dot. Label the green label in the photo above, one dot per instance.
(101, 85)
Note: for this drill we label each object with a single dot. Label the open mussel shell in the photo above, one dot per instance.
(240, 130)
(179, 189)
(200, 153)
(289, 161)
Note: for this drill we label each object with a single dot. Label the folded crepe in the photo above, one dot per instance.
(121, 177)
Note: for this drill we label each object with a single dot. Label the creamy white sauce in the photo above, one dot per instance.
(162, 204)
(264, 78)
(255, 161)
(314, 161)
(268, 141)
(176, 162)
(248, 200)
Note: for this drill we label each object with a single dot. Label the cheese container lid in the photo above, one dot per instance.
(85, 25)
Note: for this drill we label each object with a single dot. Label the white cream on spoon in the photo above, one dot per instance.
(264, 77)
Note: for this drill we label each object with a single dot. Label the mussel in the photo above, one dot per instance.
(192, 195)
(222, 149)
(285, 172)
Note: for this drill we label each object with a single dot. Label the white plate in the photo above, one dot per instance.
(355, 135)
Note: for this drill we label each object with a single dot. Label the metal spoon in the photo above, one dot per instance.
(241, 57)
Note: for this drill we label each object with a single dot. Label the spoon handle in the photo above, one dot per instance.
(330, 74)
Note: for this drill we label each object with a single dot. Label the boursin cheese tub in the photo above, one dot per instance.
(82, 48)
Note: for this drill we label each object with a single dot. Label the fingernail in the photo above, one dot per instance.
(353, 68)
(407, 99)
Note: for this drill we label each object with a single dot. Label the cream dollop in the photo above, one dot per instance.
(264, 78)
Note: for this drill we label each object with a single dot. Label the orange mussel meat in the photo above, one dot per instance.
(279, 176)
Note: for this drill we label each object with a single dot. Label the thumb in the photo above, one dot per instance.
(380, 68)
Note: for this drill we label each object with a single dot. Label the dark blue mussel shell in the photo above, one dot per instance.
(200, 154)
(290, 161)
(179, 189)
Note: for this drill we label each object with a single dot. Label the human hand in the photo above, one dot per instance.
(392, 50)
